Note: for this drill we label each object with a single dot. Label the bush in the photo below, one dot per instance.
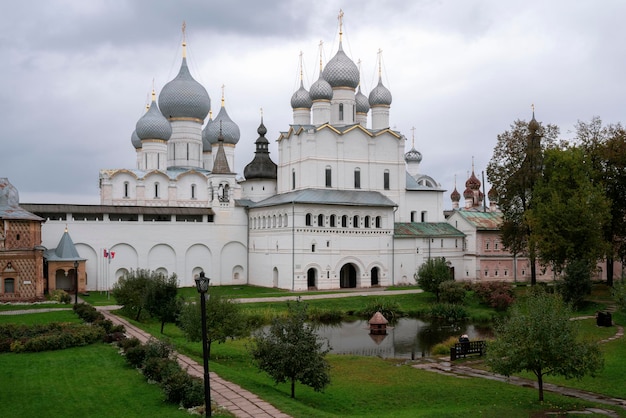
(449, 312)
(176, 385)
(444, 347)
(158, 349)
(128, 343)
(452, 292)
(87, 312)
(389, 308)
(498, 295)
(136, 355)
(327, 316)
(159, 369)
(60, 295)
(194, 394)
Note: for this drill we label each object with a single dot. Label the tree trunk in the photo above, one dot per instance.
(162, 325)
(540, 384)
(138, 314)
(293, 387)
(533, 271)
(609, 270)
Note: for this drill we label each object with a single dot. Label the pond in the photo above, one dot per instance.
(408, 338)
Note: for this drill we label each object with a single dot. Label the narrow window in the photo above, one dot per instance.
(355, 221)
(193, 191)
(442, 243)
(378, 222)
(486, 273)
(329, 175)
(9, 285)
(424, 216)
(495, 245)
(344, 221)
(341, 111)
(320, 220)
(312, 248)
(487, 245)
(367, 221)
(307, 219)
(357, 178)
(413, 215)
(456, 243)
(126, 189)
(156, 190)
(333, 222)
(293, 179)
(386, 180)
(187, 150)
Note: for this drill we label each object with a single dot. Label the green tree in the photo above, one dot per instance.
(224, 320)
(513, 171)
(433, 273)
(161, 298)
(130, 291)
(605, 152)
(568, 218)
(290, 351)
(539, 337)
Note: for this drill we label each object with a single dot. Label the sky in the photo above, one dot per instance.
(75, 75)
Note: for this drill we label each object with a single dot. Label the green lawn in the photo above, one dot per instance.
(21, 306)
(40, 317)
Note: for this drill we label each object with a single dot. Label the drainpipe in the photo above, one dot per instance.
(393, 248)
(293, 244)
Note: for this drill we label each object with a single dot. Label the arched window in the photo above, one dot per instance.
(386, 180)
(333, 221)
(413, 215)
(367, 221)
(9, 285)
(355, 221)
(274, 221)
(193, 191)
(344, 221)
(126, 189)
(307, 219)
(340, 111)
(286, 223)
(378, 222)
(156, 190)
(357, 178)
(424, 216)
(329, 177)
(293, 179)
(320, 220)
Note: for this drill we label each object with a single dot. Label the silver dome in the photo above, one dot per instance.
(301, 98)
(341, 71)
(380, 95)
(135, 140)
(153, 125)
(362, 103)
(184, 97)
(413, 155)
(230, 130)
(321, 89)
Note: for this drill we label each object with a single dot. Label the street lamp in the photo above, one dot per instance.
(202, 284)
(76, 281)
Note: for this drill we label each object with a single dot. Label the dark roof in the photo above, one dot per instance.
(329, 197)
(65, 251)
(45, 208)
(426, 229)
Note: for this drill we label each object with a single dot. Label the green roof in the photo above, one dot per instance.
(482, 220)
(426, 229)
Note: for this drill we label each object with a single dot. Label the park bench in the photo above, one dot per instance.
(467, 348)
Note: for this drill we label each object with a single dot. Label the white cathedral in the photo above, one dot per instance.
(343, 206)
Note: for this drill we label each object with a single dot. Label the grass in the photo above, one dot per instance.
(91, 381)
(23, 306)
(40, 318)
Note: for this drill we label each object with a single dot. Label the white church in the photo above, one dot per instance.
(341, 206)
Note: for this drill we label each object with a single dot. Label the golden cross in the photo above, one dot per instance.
(340, 17)
(413, 139)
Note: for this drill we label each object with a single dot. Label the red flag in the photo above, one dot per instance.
(106, 253)
(112, 254)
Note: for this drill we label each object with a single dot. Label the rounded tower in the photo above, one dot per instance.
(223, 125)
(380, 100)
(301, 102)
(261, 172)
(154, 131)
(321, 94)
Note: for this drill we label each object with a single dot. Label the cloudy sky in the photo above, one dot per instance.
(75, 75)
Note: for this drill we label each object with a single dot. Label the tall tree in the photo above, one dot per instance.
(290, 351)
(130, 291)
(605, 152)
(432, 274)
(570, 212)
(160, 298)
(539, 337)
(513, 171)
(224, 317)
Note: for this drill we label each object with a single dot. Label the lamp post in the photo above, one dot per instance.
(76, 281)
(202, 284)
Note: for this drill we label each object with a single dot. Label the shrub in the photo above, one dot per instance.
(447, 311)
(498, 295)
(444, 347)
(128, 343)
(158, 349)
(389, 308)
(176, 385)
(87, 312)
(452, 292)
(194, 393)
(60, 295)
(325, 315)
(136, 355)
(159, 369)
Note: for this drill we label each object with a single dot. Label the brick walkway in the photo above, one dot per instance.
(227, 395)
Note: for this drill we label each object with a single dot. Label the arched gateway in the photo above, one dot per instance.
(347, 276)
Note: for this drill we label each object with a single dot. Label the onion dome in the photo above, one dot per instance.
(380, 95)
(492, 194)
(455, 196)
(153, 125)
(229, 129)
(262, 166)
(468, 193)
(362, 103)
(320, 90)
(533, 125)
(473, 183)
(341, 71)
(413, 156)
(135, 140)
(301, 99)
(206, 144)
(184, 97)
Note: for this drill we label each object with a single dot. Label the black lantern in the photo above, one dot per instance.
(76, 281)
(202, 284)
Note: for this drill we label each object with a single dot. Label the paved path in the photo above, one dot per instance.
(346, 294)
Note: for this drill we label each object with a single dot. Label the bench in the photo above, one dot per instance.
(467, 348)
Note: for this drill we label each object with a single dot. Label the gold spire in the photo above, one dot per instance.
(153, 92)
(413, 139)
(380, 63)
(65, 227)
(184, 40)
(223, 95)
(261, 109)
(210, 114)
(472, 164)
(301, 73)
(358, 63)
(340, 17)
(532, 106)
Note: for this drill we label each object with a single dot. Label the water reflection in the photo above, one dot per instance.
(407, 338)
